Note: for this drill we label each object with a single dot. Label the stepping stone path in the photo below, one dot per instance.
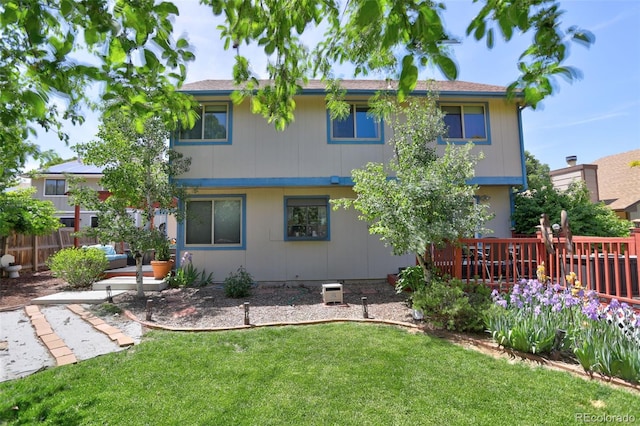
(60, 351)
(63, 335)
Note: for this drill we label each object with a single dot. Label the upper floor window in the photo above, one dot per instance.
(358, 127)
(467, 122)
(54, 187)
(216, 222)
(307, 218)
(212, 125)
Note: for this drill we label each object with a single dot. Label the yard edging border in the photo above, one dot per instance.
(543, 362)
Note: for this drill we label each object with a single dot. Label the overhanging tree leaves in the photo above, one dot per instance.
(388, 37)
(55, 50)
(138, 169)
(429, 201)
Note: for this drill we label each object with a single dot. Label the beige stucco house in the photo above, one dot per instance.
(260, 197)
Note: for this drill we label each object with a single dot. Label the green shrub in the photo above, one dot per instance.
(188, 276)
(453, 305)
(238, 283)
(79, 267)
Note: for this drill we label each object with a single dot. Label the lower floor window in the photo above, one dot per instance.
(68, 222)
(307, 218)
(214, 222)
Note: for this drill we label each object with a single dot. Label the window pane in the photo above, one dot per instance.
(54, 187)
(474, 126)
(453, 120)
(215, 122)
(196, 131)
(343, 128)
(68, 222)
(198, 224)
(226, 217)
(307, 218)
(367, 127)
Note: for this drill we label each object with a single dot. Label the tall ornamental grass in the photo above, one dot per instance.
(540, 317)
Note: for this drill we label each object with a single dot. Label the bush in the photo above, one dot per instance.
(188, 276)
(238, 283)
(453, 305)
(79, 267)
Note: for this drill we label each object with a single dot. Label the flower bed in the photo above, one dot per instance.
(543, 318)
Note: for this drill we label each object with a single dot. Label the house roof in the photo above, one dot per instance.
(73, 167)
(449, 87)
(618, 182)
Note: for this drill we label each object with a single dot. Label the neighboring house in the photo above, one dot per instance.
(52, 184)
(260, 197)
(619, 184)
(609, 179)
(588, 173)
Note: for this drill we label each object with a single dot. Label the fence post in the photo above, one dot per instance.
(34, 254)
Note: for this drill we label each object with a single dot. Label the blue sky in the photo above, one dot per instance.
(596, 116)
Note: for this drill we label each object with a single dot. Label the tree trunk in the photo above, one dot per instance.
(426, 264)
(138, 257)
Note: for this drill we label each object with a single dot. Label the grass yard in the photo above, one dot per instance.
(337, 374)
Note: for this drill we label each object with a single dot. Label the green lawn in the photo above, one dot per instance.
(338, 374)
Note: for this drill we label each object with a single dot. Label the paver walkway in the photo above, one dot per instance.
(39, 337)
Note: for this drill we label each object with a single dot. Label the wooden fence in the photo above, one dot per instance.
(609, 266)
(33, 251)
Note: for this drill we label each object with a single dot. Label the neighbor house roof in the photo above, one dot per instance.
(449, 87)
(73, 167)
(618, 182)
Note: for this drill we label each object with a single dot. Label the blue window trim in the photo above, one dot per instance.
(461, 141)
(315, 197)
(198, 142)
(181, 231)
(354, 141)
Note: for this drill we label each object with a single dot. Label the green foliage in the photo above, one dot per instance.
(586, 217)
(130, 47)
(162, 247)
(453, 304)
(189, 276)
(79, 267)
(410, 279)
(395, 39)
(138, 169)
(429, 200)
(238, 284)
(542, 318)
(23, 214)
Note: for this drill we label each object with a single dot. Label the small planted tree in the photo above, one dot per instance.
(428, 200)
(137, 169)
(22, 214)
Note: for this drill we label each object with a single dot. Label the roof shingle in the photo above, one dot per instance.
(352, 85)
(618, 182)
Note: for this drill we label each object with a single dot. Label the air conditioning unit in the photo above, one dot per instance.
(332, 293)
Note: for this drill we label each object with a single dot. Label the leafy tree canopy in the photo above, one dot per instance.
(393, 38)
(23, 214)
(428, 201)
(126, 46)
(586, 217)
(137, 171)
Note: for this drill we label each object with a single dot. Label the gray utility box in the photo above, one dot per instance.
(332, 293)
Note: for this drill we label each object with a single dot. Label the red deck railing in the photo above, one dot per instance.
(609, 266)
